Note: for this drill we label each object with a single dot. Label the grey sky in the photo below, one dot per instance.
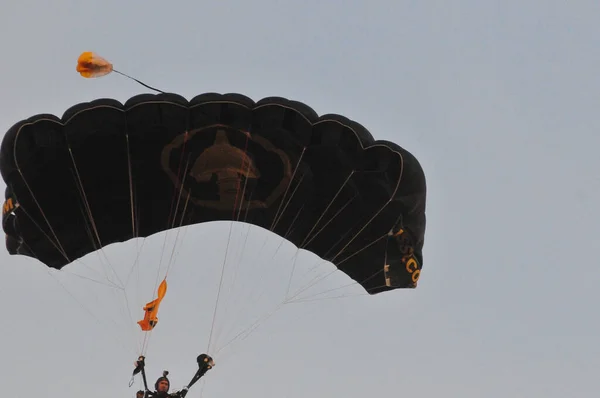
(497, 99)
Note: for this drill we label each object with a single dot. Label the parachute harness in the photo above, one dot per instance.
(205, 363)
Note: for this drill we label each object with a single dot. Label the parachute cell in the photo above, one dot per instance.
(108, 172)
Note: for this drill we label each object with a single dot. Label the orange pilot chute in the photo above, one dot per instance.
(151, 309)
(90, 64)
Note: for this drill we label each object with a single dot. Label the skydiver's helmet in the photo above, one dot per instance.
(163, 378)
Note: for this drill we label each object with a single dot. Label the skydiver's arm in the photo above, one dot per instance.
(140, 366)
(205, 363)
(201, 372)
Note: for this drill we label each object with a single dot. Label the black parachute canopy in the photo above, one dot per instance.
(108, 172)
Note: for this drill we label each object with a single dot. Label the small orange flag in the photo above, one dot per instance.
(151, 309)
(90, 64)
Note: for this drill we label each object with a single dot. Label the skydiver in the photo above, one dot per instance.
(162, 385)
